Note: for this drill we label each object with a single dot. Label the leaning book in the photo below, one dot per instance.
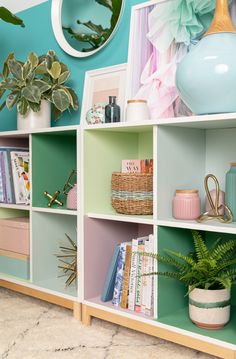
(20, 172)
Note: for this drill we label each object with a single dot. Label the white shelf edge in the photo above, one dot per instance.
(121, 218)
(156, 323)
(15, 206)
(39, 130)
(28, 284)
(184, 120)
(210, 226)
(55, 210)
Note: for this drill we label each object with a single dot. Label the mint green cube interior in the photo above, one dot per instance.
(48, 235)
(53, 159)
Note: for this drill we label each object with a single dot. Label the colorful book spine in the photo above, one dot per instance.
(2, 186)
(133, 272)
(18, 161)
(147, 166)
(125, 292)
(144, 278)
(119, 275)
(139, 279)
(150, 279)
(9, 179)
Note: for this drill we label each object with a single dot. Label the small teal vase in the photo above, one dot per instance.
(230, 189)
(206, 77)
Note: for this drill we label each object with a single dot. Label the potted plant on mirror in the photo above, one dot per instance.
(34, 86)
(208, 274)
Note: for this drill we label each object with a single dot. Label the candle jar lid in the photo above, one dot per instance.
(233, 164)
(187, 191)
(138, 100)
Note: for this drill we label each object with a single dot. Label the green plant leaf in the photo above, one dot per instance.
(61, 100)
(6, 70)
(200, 247)
(34, 106)
(63, 77)
(27, 68)
(16, 69)
(41, 69)
(42, 85)
(23, 106)
(33, 59)
(7, 16)
(75, 102)
(12, 100)
(32, 93)
(55, 70)
(106, 3)
(56, 114)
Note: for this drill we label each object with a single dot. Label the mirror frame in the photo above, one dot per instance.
(56, 10)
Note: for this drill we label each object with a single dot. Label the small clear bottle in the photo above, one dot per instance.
(112, 111)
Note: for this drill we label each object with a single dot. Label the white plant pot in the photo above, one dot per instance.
(209, 309)
(41, 119)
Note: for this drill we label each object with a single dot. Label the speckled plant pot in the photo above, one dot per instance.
(209, 309)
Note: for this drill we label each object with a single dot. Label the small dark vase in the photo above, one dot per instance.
(112, 111)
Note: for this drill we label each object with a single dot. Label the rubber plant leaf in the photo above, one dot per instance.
(16, 69)
(61, 99)
(32, 93)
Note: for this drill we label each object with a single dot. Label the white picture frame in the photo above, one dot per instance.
(101, 83)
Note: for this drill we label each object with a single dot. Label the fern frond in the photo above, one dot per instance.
(200, 247)
(188, 259)
(165, 260)
(222, 249)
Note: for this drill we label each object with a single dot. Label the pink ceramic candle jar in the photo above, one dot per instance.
(186, 204)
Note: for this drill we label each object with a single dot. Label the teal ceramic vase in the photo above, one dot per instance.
(206, 77)
(230, 189)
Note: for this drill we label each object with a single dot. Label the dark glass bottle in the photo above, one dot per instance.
(112, 111)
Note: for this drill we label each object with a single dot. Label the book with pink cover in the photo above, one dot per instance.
(137, 166)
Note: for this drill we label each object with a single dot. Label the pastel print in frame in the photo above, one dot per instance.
(100, 84)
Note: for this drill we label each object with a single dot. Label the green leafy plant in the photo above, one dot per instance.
(205, 268)
(7, 16)
(97, 34)
(39, 78)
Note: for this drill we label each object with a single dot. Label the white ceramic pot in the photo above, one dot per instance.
(209, 309)
(41, 119)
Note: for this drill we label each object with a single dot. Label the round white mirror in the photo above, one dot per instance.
(83, 27)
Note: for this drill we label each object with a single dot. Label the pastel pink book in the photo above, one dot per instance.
(131, 166)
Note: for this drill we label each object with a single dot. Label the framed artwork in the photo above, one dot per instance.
(100, 84)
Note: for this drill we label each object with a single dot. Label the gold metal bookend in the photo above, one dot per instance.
(214, 213)
(53, 199)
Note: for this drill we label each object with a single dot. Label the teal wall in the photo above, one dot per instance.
(38, 36)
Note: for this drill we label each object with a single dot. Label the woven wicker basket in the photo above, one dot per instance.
(132, 193)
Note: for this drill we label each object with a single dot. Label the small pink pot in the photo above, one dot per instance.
(186, 204)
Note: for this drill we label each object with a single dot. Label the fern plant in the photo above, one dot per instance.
(206, 268)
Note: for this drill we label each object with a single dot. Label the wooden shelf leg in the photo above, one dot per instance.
(86, 317)
(77, 311)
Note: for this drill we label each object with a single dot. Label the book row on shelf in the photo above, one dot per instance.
(14, 175)
(125, 284)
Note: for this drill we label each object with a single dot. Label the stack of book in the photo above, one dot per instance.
(14, 175)
(125, 285)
